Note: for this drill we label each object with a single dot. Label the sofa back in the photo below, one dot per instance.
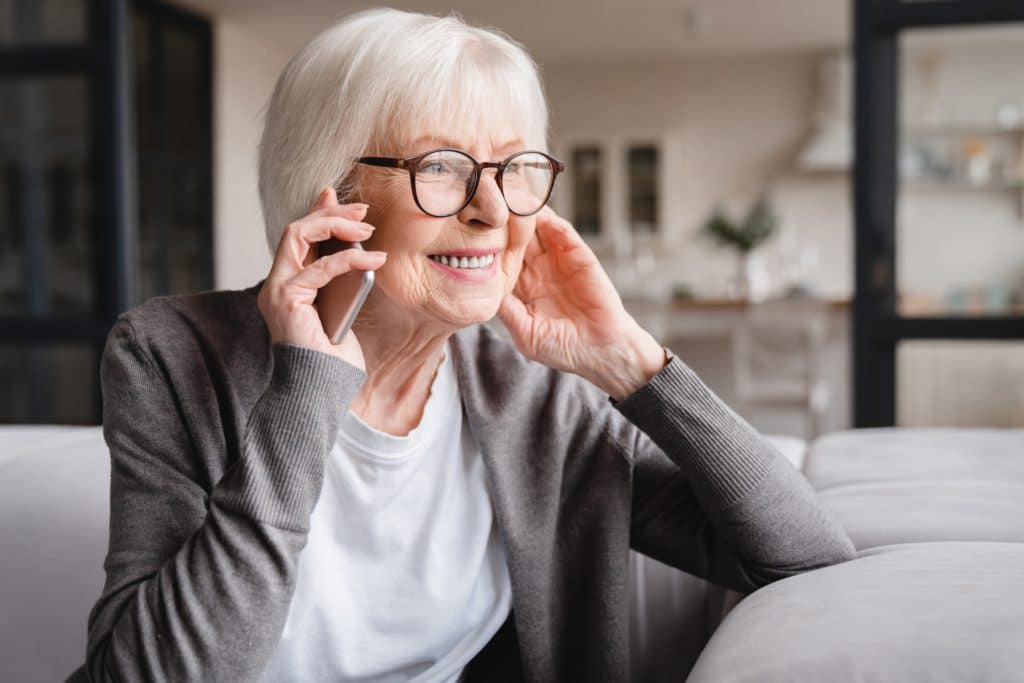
(54, 511)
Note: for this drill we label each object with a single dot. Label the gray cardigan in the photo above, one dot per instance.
(218, 440)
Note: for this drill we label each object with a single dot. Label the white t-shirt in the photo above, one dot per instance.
(404, 575)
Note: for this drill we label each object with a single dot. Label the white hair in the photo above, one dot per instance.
(373, 80)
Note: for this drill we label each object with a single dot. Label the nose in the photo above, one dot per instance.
(487, 209)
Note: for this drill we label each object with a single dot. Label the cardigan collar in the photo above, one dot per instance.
(496, 436)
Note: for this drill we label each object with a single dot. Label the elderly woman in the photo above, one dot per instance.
(424, 500)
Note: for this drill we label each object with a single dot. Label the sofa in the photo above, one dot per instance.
(54, 511)
(936, 593)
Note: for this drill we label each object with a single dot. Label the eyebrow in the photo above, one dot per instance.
(448, 142)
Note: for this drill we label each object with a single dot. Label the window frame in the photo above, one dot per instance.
(105, 60)
(878, 328)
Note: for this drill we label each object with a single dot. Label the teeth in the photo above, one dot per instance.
(464, 262)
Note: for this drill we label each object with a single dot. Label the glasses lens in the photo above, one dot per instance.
(527, 182)
(443, 180)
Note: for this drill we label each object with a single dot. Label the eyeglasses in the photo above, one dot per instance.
(445, 180)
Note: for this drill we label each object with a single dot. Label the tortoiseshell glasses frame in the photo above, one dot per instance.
(412, 165)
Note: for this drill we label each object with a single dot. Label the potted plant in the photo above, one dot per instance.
(745, 236)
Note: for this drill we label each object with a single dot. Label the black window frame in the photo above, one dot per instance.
(105, 59)
(878, 328)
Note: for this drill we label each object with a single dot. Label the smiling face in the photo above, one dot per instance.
(454, 270)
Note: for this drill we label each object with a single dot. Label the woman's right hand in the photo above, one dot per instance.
(287, 295)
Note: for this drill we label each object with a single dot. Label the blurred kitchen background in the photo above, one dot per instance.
(710, 149)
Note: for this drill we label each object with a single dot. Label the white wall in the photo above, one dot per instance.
(245, 69)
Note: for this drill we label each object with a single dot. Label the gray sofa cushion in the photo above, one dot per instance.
(884, 513)
(871, 455)
(901, 486)
(932, 612)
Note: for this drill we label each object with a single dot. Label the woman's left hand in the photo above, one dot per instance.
(564, 312)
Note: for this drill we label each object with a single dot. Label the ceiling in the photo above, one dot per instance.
(558, 31)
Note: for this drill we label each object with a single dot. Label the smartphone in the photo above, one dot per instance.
(338, 302)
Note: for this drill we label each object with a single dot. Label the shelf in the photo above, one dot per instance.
(724, 303)
(960, 184)
(955, 147)
(959, 130)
